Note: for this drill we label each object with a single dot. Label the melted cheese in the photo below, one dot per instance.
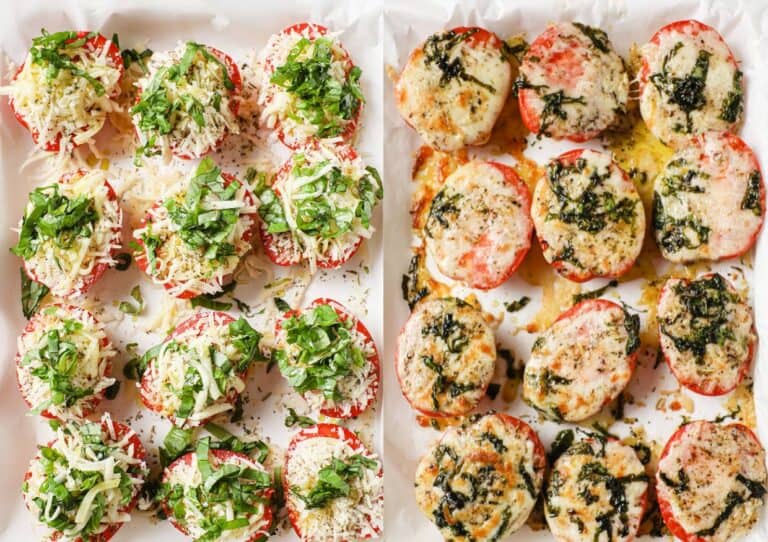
(563, 62)
(296, 244)
(66, 270)
(612, 250)
(81, 456)
(180, 267)
(707, 183)
(166, 374)
(355, 517)
(479, 227)
(94, 354)
(202, 82)
(667, 119)
(280, 108)
(711, 457)
(581, 491)
(185, 473)
(722, 366)
(65, 108)
(446, 356)
(491, 464)
(450, 113)
(580, 363)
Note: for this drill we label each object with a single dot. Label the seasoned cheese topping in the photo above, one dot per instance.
(446, 355)
(711, 481)
(63, 362)
(479, 227)
(583, 361)
(86, 481)
(336, 375)
(199, 371)
(572, 84)
(65, 88)
(320, 208)
(187, 102)
(69, 232)
(589, 217)
(480, 482)
(706, 332)
(709, 201)
(354, 516)
(194, 239)
(308, 86)
(596, 491)
(690, 83)
(454, 87)
(229, 503)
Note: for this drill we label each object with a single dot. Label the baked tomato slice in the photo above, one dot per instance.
(94, 44)
(330, 431)
(373, 374)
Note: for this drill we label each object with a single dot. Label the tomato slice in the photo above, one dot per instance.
(375, 365)
(234, 103)
(93, 401)
(99, 269)
(141, 257)
(313, 31)
(221, 457)
(665, 506)
(271, 241)
(138, 452)
(197, 322)
(693, 384)
(322, 430)
(95, 44)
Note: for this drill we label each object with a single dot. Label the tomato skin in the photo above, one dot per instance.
(105, 343)
(326, 430)
(95, 44)
(344, 315)
(539, 453)
(269, 240)
(223, 456)
(197, 322)
(665, 507)
(98, 270)
(139, 452)
(692, 385)
(141, 257)
(313, 32)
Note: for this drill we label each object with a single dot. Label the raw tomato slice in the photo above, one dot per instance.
(197, 323)
(375, 365)
(93, 401)
(95, 44)
(141, 257)
(221, 457)
(99, 269)
(322, 430)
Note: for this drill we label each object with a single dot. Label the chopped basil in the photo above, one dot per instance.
(444, 210)
(733, 102)
(132, 56)
(51, 50)
(440, 50)
(756, 490)
(562, 442)
(123, 260)
(518, 304)
(334, 480)
(320, 351)
(632, 326)
(293, 419)
(444, 385)
(553, 108)
(321, 99)
(597, 36)
(752, 200)
(675, 234)
(32, 295)
(594, 294)
(135, 367)
(413, 288)
(128, 307)
(52, 217)
(281, 305)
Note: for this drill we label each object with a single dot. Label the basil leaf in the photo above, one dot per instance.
(281, 305)
(32, 294)
(334, 480)
(294, 419)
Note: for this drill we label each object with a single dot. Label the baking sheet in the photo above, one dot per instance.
(743, 25)
(238, 28)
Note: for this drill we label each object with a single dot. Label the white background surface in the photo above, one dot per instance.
(406, 24)
(236, 28)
